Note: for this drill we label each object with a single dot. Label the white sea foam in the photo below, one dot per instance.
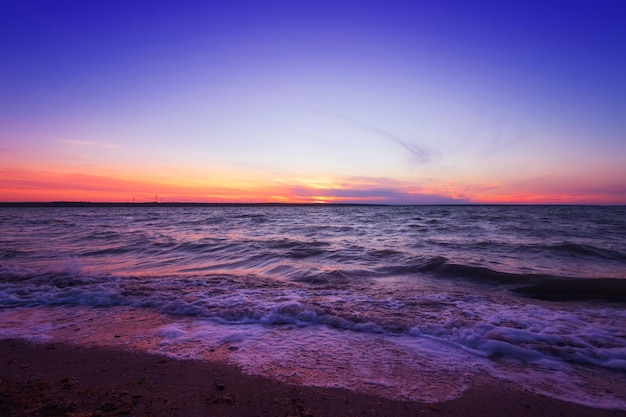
(482, 325)
(380, 365)
(402, 366)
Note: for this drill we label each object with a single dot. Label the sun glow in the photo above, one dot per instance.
(27, 185)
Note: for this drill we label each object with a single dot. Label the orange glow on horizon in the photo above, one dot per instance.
(42, 186)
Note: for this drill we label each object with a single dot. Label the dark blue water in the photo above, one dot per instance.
(407, 302)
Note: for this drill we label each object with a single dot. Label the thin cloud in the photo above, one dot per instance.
(504, 134)
(421, 154)
(90, 144)
(374, 195)
(372, 190)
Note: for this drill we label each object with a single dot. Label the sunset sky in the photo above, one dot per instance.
(401, 102)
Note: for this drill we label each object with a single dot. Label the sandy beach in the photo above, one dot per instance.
(53, 379)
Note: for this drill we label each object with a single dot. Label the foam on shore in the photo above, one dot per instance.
(393, 366)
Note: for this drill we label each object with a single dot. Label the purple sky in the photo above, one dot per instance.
(382, 101)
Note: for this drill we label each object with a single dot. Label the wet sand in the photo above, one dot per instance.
(54, 379)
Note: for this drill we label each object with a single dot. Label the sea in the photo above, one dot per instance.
(405, 302)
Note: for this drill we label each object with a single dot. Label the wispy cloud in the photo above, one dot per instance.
(420, 153)
(502, 133)
(86, 143)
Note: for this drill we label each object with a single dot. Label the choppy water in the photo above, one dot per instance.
(407, 302)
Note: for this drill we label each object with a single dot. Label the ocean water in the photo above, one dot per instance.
(405, 302)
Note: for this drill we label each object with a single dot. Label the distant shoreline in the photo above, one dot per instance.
(171, 204)
(153, 204)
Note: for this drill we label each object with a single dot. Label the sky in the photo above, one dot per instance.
(392, 102)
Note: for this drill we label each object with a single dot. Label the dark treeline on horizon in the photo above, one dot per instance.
(233, 204)
(167, 204)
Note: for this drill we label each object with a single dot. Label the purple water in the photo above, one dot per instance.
(405, 302)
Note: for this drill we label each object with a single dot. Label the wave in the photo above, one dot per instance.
(468, 321)
(221, 297)
(296, 261)
(12, 253)
(297, 249)
(440, 267)
(564, 289)
(493, 339)
(540, 286)
(332, 278)
(575, 249)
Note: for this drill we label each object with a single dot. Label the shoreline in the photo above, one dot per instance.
(57, 379)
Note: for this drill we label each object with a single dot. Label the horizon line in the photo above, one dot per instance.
(226, 204)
